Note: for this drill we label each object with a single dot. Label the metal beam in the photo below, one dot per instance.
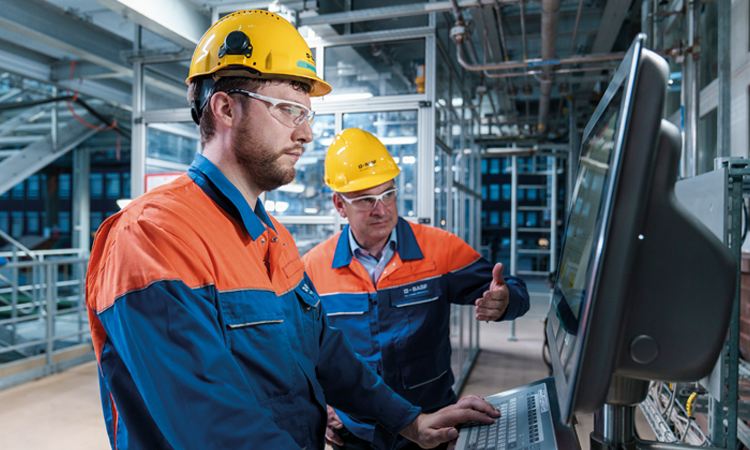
(611, 23)
(178, 21)
(20, 166)
(51, 26)
(61, 70)
(390, 12)
(42, 72)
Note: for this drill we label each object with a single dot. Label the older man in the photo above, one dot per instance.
(387, 283)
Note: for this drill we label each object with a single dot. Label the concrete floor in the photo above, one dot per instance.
(63, 411)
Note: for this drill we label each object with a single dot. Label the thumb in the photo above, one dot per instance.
(497, 273)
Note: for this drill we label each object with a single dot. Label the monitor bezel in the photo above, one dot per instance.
(572, 397)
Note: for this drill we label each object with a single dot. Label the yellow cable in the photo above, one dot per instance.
(689, 404)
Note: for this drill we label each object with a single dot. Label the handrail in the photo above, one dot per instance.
(14, 242)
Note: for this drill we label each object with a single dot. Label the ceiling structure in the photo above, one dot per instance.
(526, 58)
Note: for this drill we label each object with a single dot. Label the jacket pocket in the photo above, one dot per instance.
(423, 314)
(351, 314)
(428, 372)
(257, 337)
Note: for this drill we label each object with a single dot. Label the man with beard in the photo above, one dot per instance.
(207, 331)
(388, 284)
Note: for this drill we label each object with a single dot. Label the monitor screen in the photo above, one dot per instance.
(630, 253)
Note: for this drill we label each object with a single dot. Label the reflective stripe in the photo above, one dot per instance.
(345, 313)
(428, 381)
(249, 324)
(417, 302)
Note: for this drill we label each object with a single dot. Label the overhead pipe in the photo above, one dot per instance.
(550, 13)
(458, 35)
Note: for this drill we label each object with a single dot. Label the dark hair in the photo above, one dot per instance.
(224, 84)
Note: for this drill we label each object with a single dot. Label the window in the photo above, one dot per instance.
(506, 192)
(531, 219)
(17, 224)
(484, 192)
(113, 185)
(97, 189)
(17, 191)
(64, 182)
(506, 165)
(4, 221)
(519, 218)
(32, 222)
(484, 166)
(494, 192)
(32, 187)
(96, 219)
(495, 166)
(126, 185)
(494, 217)
(484, 217)
(506, 220)
(531, 194)
(521, 194)
(64, 218)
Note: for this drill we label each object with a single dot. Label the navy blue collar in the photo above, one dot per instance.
(406, 245)
(228, 197)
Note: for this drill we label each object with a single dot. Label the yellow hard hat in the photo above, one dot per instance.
(257, 44)
(357, 160)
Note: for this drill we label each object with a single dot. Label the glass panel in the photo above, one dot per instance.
(64, 186)
(307, 236)
(17, 224)
(113, 185)
(397, 130)
(96, 219)
(32, 222)
(358, 72)
(18, 191)
(442, 184)
(307, 194)
(126, 185)
(32, 187)
(97, 188)
(4, 221)
(495, 217)
(495, 192)
(178, 148)
(64, 218)
(173, 74)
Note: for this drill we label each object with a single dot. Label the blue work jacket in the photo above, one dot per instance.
(400, 326)
(209, 334)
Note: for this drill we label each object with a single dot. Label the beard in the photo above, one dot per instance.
(261, 162)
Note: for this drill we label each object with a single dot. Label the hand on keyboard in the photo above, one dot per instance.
(431, 430)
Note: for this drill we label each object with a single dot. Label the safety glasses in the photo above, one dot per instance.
(367, 203)
(289, 113)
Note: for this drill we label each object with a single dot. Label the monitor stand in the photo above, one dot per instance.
(614, 424)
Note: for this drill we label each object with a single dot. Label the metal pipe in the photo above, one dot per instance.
(533, 63)
(523, 30)
(500, 28)
(556, 71)
(575, 27)
(550, 10)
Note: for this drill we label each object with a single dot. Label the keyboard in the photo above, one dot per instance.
(525, 421)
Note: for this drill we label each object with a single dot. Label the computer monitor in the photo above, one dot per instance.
(643, 289)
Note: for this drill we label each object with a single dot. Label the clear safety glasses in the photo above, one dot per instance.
(368, 202)
(291, 114)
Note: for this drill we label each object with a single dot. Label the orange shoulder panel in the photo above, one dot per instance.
(449, 251)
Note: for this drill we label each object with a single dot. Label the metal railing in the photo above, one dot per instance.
(43, 320)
